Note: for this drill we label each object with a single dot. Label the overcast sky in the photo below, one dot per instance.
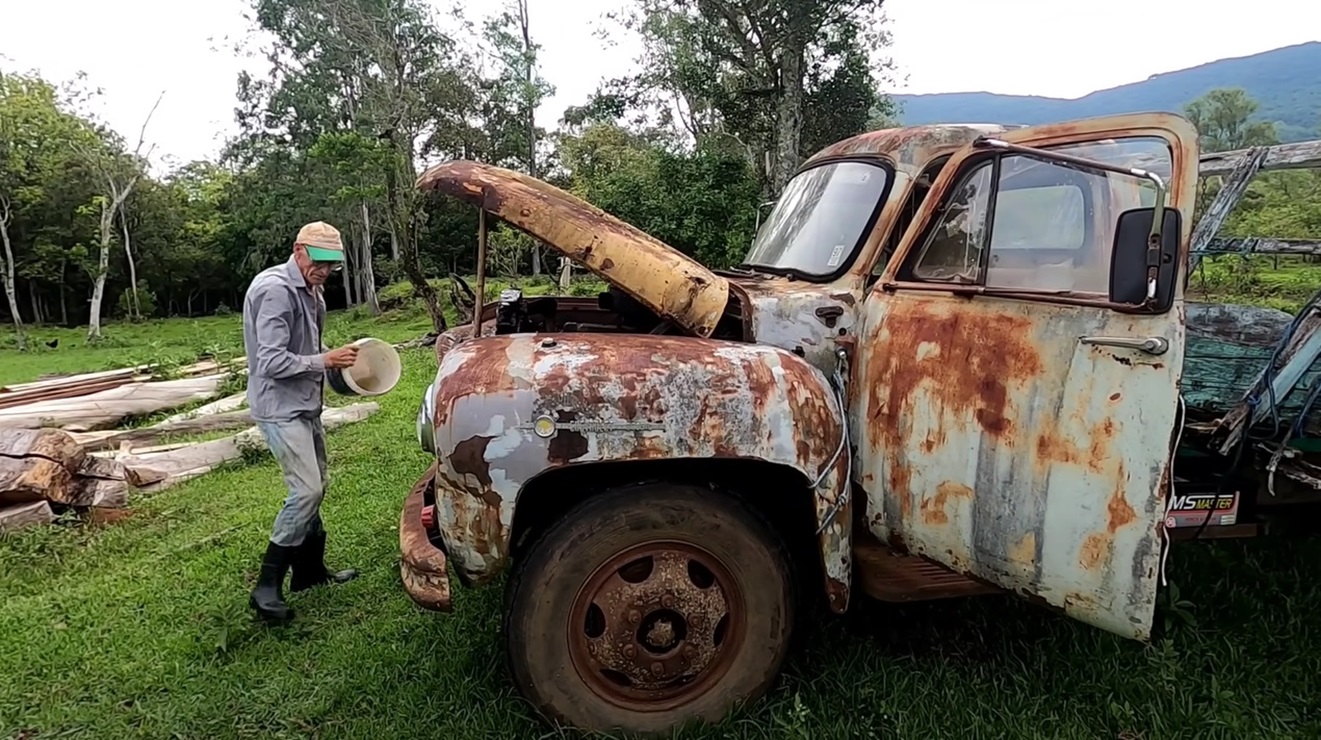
(134, 49)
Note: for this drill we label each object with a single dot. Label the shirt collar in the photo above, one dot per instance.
(295, 274)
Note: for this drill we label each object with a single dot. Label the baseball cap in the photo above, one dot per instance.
(322, 242)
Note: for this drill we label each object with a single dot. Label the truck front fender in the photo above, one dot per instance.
(508, 408)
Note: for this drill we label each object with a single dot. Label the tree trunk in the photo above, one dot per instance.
(36, 305)
(530, 112)
(394, 244)
(789, 116)
(403, 215)
(368, 273)
(5, 213)
(347, 277)
(102, 267)
(64, 307)
(135, 308)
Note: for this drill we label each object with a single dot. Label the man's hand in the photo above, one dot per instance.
(341, 358)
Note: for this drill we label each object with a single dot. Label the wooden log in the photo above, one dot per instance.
(106, 408)
(25, 479)
(112, 438)
(25, 515)
(175, 466)
(224, 405)
(1300, 155)
(104, 482)
(52, 444)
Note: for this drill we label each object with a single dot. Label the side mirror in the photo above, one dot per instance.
(1144, 261)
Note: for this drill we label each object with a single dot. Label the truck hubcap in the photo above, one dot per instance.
(655, 625)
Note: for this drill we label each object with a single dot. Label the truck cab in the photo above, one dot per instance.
(949, 365)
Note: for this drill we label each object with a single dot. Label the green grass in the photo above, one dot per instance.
(1284, 283)
(140, 628)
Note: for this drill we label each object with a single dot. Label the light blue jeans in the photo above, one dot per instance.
(300, 447)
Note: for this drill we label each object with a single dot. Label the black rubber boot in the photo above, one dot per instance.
(310, 570)
(268, 597)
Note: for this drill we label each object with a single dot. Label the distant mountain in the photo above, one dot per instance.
(1285, 82)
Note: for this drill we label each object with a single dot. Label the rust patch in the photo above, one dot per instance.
(943, 363)
(1025, 550)
(567, 444)
(901, 479)
(1094, 549)
(1120, 512)
(422, 565)
(933, 509)
(1052, 447)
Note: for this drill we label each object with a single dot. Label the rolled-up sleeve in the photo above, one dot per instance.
(274, 360)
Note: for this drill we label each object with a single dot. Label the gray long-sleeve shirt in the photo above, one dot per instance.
(282, 323)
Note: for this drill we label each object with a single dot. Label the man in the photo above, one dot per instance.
(283, 316)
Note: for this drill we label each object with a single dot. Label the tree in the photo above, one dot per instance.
(36, 136)
(513, 96)
(752, 70)
(379, 68)
(118, 174)
(1223, 118)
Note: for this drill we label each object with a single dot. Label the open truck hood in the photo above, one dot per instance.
(659, 276)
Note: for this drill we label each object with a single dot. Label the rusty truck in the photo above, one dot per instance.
(957, 360)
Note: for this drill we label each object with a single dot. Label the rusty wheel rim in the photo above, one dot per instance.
(656, 625)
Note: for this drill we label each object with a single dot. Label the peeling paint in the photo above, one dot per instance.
(624, 397)
(995, 442)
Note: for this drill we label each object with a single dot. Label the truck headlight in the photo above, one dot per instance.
(426, 420)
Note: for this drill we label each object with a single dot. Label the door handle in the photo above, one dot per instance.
(1150, 345)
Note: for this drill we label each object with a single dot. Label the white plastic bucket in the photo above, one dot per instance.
(375, 372)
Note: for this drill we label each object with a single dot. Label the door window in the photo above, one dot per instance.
(1015, 222)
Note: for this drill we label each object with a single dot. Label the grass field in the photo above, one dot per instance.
(140, 628)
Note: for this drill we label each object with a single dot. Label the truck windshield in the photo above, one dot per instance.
(817, 223)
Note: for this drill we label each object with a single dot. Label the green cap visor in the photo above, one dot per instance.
(324, 255)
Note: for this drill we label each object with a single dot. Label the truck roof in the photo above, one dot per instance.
(911, 148)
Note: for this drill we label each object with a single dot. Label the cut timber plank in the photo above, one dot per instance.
(67, 380)
(112, 438)
(176, 466)
(10, 400)
(25, 515)
(109, 407)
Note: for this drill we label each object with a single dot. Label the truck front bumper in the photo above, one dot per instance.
(422, 565)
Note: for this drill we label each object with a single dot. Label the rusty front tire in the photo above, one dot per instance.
(648, 607)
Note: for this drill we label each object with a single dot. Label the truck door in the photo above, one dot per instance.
(1015, 409)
